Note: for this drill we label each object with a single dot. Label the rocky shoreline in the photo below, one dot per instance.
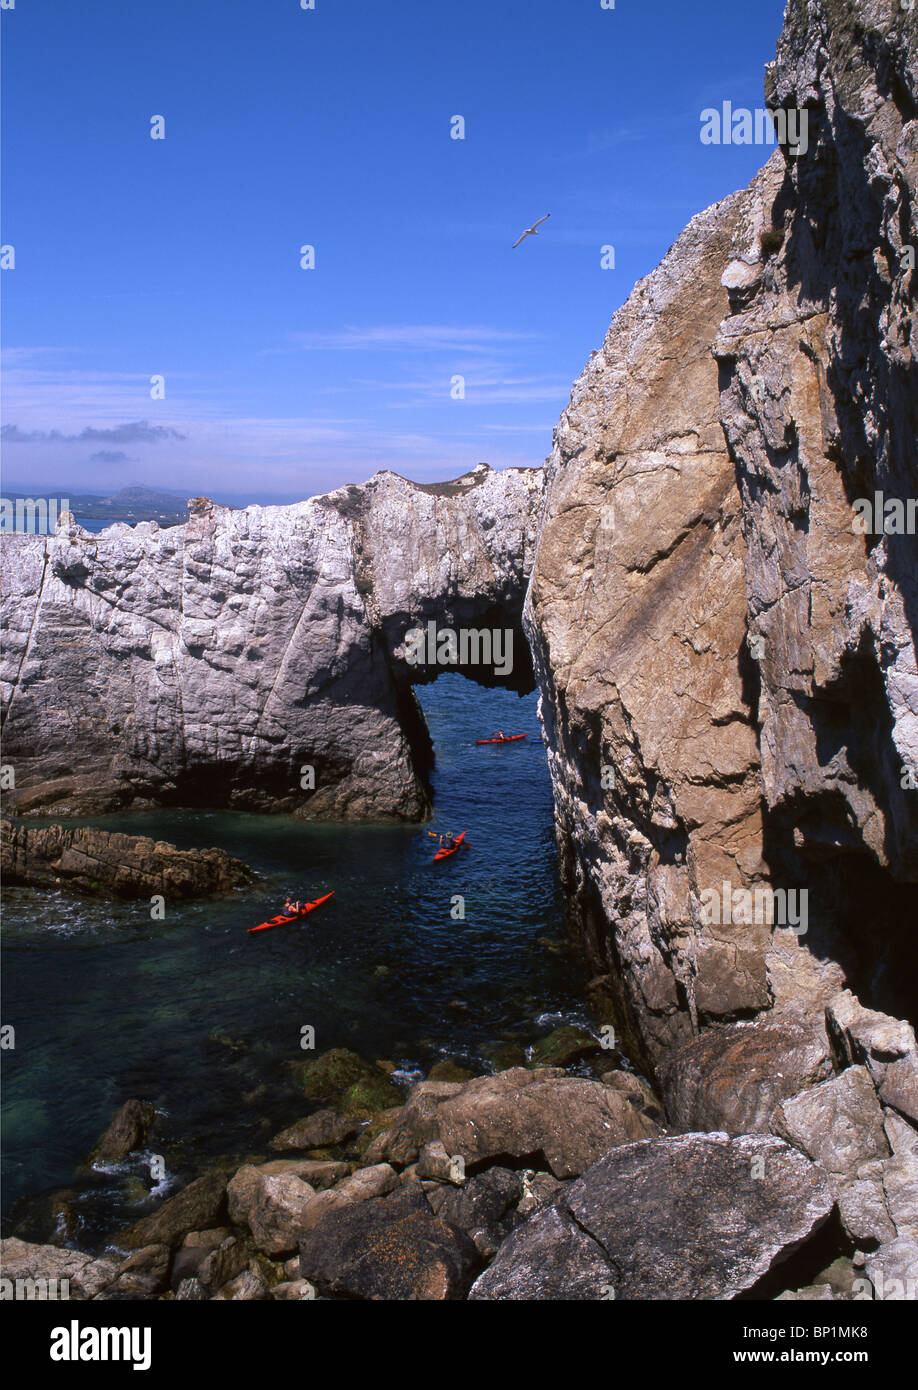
(773, 1167)
(100, 863)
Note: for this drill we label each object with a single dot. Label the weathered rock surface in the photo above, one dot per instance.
(101, 863)
(271, 1205)
(198, 1206)
(209, 663)
(324, 1128)
(127, 1132)
(707, 624)
(389, 1248)
(732, 1078)
(838, 1124)
(678, 1218)
(86, 1276)
(521, 1113)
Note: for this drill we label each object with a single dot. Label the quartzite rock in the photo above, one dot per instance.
(389, 1248)
(520, 1113)
(732, 1078)
(127, 1132)
(86, 1276)
(211, 663)
(101, 863)
(700, 1216)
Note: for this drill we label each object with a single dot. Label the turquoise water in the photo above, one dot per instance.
(203, 1020)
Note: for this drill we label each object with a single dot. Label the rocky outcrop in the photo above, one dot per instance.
(727, 667)
(256, 658)
(127, 1132)
(702, 1216)
(100, 863)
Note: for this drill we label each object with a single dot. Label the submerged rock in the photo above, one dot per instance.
(350, 1083)
(563, 1047)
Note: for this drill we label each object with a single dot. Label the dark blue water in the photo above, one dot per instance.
(203, 1020)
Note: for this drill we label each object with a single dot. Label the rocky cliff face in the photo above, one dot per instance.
(211, 663)
(727, 666)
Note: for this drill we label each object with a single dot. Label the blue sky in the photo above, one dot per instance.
(331, 127)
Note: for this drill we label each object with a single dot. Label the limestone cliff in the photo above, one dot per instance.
(727, 666)
(210, 663)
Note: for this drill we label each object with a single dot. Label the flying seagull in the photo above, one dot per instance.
(531, 231)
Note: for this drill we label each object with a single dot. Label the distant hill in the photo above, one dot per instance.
(131, 504)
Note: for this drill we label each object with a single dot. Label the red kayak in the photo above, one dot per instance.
(509, 738)
(280, 921)
(445, 853)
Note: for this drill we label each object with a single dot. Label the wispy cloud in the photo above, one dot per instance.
(409, 338)
(135, 432)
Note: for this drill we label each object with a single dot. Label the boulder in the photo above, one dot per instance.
(143, 1274)
(324, 1129)
(520, 1113)
(484, 1208)
(127, 1132)
(732, 1078)
(389, 1248)
(201, 1204)
(412, 1125)
(838, 1124)
(698, 1216)
(246, 1287)
(82, 1276)
(349, 1083)
(271, 1206)
(211, 1266)
(564, 1046)
(362, 1186)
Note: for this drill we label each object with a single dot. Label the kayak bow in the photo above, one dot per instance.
(280, 921)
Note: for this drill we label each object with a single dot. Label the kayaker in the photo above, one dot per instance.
(293, 908)
(447, 841)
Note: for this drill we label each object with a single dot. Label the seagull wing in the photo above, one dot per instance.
(516, 243)
(542, 219)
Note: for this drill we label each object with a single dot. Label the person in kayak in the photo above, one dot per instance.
(448, 841)
(292, 908)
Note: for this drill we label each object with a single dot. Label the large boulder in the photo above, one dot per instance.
(47, 1272)
(732, 1078)
(199, 1205)
(521, 1113)
(271, 1206)
(389, 1248)
(838, 1124)
(698, 1216)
